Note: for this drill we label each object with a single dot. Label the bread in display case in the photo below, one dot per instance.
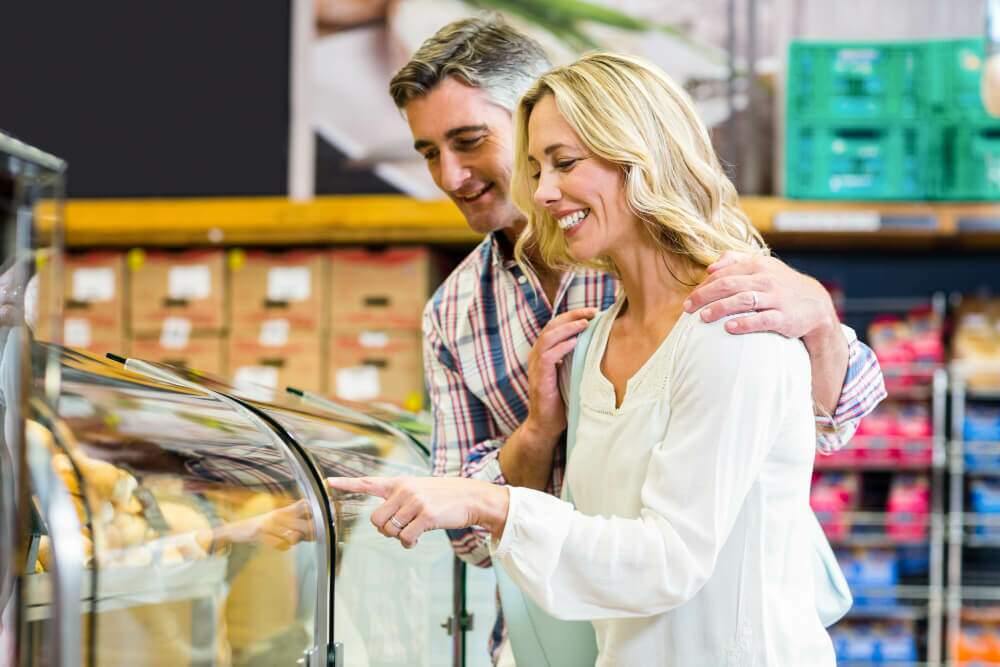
(206, 534)
(389, 602)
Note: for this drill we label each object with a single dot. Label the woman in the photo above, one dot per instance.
(688, 543)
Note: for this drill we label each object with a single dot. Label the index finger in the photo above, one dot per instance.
(728, 258)
(572, 315)
(712, 290)
(373, 486)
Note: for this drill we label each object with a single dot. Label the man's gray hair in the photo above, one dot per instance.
(482, 52)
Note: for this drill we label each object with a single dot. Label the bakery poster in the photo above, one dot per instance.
(363, 144)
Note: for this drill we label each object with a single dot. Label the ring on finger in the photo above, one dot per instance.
(394, 521)
(753, 297)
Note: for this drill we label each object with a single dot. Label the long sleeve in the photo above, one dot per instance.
(864, 388)
(729, 398)
(463, 440)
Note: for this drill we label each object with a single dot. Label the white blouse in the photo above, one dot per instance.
(689, 544)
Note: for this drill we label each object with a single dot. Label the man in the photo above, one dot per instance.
(457, 94)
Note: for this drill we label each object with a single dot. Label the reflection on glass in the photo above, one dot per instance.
(27, 178)
(389, 603)
(196, 523)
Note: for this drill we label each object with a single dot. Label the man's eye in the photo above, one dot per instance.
(466, 144)
(430, 155)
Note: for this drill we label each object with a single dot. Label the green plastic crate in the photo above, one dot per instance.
(970, 165)
(858, 81)
(870, 161)
(954, 81)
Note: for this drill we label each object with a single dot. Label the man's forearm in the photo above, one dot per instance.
(526, 457)
(828, 357)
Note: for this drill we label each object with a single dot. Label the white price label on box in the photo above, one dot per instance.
(827, 221)
(257, 382)
(175, 333)
(358, 383)
(274, 333)
(76, 332)
(288, 283)
(189, 282)
(94, 284)
(373, 339)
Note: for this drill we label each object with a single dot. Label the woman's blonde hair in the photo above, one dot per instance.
(631, 114)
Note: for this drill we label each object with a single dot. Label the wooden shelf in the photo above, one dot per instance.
(399, 219)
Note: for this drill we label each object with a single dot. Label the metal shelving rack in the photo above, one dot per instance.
(965, 528)
(911, 601)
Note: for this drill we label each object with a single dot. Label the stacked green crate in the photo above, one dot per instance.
(889, 120)
(855, 121)
(970, 137)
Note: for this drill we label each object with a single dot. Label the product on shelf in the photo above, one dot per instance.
(891, 434)
(93, 304)
(907, 348)
(833, 497)
(878, 642)
(870, 574)
(982, 422)
(384, 289)
(176, 345)
(186, 288)
(271, 357)
(290, 285)
(908, 508)
(984, 495)
(976, 343)
(978, 643)
(368, 364)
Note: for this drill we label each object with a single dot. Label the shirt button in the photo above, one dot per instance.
(522, 279)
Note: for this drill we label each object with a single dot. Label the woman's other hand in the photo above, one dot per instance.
(415, 505)
(546, 411)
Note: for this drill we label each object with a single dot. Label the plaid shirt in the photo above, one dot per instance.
(480, 326)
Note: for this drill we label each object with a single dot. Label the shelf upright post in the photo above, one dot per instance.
(956, 509)
(939, 459)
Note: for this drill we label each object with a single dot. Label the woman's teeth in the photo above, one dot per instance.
(573, 219)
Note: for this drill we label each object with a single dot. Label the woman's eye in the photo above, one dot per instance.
(535, 176)
(565, 164)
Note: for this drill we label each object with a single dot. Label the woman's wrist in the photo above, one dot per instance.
(493, 510)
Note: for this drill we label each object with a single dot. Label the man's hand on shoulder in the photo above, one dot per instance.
(779, 298)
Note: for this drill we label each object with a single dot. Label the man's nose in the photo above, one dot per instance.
(453, 172)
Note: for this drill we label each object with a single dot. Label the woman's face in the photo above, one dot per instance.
(584, 193)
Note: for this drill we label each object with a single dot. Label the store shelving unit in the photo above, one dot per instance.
(397, 218)
(919, 597)
(973, 537)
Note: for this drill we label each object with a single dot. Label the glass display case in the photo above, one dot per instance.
(158, 516)
(205, 533)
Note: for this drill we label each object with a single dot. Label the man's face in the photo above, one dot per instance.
(467, 141)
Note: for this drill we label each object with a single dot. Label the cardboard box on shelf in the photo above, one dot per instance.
(276, 360)
(292, 285)
(383, 365)
(188, 284)
(203, 352)
(385, 289)
(93, 302)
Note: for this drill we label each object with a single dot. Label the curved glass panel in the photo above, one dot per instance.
(31, 193)
(389, 603)
(200, 529)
